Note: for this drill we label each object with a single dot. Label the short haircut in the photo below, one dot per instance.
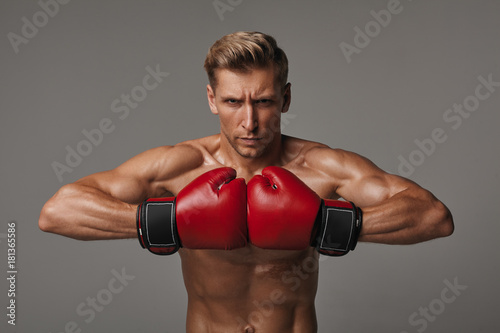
(244, 51)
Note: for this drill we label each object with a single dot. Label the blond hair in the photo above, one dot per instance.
(244, 51)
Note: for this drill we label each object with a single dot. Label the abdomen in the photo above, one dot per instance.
(266, 290)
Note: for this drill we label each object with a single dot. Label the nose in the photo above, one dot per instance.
(250, 122)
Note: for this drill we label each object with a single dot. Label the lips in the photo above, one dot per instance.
(250, 141)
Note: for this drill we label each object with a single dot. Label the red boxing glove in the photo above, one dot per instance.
(281, 210)
(209, 213)
(284, 213)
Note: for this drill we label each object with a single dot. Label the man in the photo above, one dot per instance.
(235, 256)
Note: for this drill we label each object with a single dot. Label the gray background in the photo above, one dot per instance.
(394, 91)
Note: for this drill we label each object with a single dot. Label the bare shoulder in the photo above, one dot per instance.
(164, 164)
(334, 172)
(296, 149)
(335, 164)
(184, 157)
(318, 155)
(339, 163)
(155, 172)
(200, 150)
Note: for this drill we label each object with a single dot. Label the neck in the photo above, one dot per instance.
(228, 156)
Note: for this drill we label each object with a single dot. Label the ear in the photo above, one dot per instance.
(287, 97)
(211, 99)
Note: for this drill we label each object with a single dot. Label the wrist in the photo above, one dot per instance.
(156, 226)
(339, 224)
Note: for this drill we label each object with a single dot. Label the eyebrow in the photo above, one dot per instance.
(229, 96)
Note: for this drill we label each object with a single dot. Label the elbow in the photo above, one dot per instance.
(449, 227)
(45, 221)
(443, 221)
(52, 212)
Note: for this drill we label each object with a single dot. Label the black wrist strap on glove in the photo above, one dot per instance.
(156, 226)
(338, 226)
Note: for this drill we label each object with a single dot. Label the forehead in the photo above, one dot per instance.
(254, 81)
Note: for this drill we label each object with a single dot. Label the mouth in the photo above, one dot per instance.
(250, 141)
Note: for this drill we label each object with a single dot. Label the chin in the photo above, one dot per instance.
(250, 152)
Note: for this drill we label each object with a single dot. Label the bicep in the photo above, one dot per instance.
(122, 186)
(373, 188)
(135, 180)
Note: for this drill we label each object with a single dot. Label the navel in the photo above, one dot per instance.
(249, 329)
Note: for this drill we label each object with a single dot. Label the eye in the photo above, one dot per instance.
(264, 101)
(231, 101)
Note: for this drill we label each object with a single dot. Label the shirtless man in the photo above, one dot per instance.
(248, 288)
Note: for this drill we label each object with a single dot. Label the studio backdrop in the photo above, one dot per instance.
(412, 85)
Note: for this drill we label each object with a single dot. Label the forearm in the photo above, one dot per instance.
(409, 217)
(87, 213)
